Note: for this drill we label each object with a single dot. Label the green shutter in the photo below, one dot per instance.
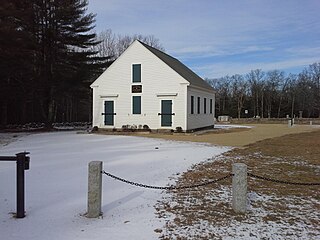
(136, 105)
(136, 73)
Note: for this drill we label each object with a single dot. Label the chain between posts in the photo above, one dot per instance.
(281, 181)
(205, 183)
(169, 187)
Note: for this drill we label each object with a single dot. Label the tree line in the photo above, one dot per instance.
(49, 56)
(271, 94)
(46, 59)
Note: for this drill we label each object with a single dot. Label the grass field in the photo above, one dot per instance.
(276, 211)
(238, 137)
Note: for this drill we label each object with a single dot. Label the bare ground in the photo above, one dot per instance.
(237, 137)
(276, 211)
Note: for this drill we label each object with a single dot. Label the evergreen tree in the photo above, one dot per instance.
(66, 39)
(16, 54)
(46, 59)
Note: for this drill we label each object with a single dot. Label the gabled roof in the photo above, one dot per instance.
(180, 68)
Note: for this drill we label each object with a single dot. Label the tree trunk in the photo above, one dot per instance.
(262, 108)
(292, 107)
(23, 118)
(4, 115)
(257, 104)
(279, 107)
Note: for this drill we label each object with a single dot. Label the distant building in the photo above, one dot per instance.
(145, 86)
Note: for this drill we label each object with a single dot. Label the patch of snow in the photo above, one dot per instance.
(56, 184)
(256, 224)
(228, 126)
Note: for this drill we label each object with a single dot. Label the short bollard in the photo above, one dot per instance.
(94, 189)
(239, 187)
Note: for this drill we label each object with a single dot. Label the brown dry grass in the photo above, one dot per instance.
(237, 137)
(294, 157)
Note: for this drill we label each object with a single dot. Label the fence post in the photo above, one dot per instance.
(21, 157)
(94, 189)
(239, 187)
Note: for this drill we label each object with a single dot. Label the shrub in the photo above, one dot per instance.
(146, 127)
(179, 129)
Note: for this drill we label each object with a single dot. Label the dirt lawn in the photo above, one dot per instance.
(275, 211)
(237, 137)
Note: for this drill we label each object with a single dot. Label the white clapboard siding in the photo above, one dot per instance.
(201, 120)
(158, 80)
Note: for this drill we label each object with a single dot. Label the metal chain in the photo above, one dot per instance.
(280, 181)
(169, 187)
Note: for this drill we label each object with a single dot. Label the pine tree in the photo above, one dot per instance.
(66, 38)
(16, 53)
(46, 60)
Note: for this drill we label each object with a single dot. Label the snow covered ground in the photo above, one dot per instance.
(228, 126)
(56, 185)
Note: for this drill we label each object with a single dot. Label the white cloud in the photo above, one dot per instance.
(209, 51)
(286, 31)
(229, 68)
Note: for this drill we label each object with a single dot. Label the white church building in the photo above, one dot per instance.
(145, 86)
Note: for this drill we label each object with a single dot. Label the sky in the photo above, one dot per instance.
(222, 37)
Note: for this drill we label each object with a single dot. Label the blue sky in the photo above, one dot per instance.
(219, 37)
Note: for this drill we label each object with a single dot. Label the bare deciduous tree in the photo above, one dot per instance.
(271, 94)
(112, 45)
(239, 90)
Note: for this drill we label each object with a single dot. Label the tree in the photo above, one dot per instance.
(314, 74)
(16, 59)
(273, 93)
(255, 79)
(49, 55)
(114, 45)
(65, 36)
(222, 87)
(239, 90)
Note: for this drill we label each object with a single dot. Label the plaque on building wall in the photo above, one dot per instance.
(136, 88)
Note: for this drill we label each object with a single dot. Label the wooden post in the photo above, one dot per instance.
(20, 185)
(239, 187)
(94, 189)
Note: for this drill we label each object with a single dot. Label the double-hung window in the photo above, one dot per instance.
(136, 73)
(136, 104)
(192, 104)
(205, 106)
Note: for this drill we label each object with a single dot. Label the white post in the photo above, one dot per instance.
(94, 189)
(289, 123)
(239, 187)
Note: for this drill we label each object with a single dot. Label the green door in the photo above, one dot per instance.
(109, 113)
(166, 113)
